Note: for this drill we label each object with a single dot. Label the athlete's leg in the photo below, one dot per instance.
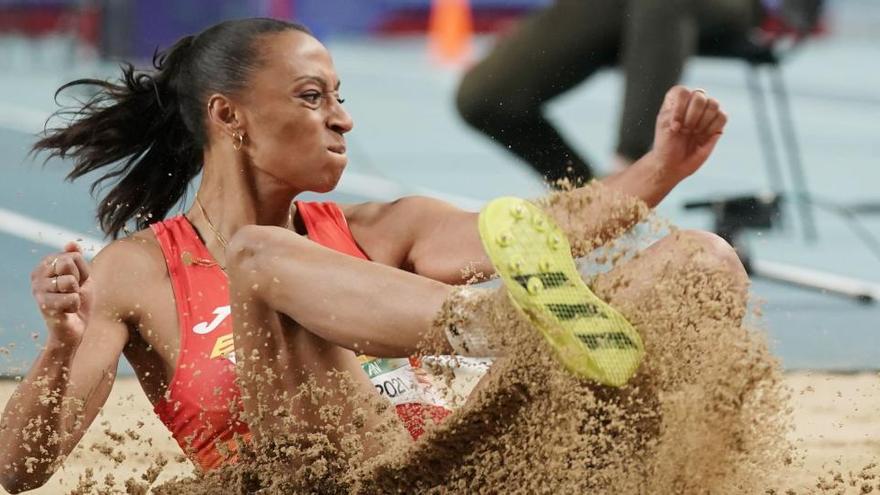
(686, 295)
(353, 303)
(644, 289)
(296, 383)
(299, 312)
(685, 254)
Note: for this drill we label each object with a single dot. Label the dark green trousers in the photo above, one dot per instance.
(557, 48)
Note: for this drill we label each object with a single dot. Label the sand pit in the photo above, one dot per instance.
(127, 409)
(835, 422)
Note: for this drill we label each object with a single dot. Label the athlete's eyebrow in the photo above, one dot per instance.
(320, 80)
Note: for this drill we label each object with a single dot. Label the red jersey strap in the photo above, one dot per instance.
(326, 225)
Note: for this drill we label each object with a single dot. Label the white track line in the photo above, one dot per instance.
(22, 119)
(45, 233)
(808, 277)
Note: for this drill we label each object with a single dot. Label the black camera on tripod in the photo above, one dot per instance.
(735, 215)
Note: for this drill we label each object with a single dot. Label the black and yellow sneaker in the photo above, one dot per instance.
(533, 258)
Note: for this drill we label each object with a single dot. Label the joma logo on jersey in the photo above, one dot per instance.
(220, 314)
(224, 346)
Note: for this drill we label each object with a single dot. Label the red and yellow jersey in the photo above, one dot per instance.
(202, 404)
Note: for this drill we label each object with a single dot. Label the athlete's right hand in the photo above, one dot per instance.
(60, 285)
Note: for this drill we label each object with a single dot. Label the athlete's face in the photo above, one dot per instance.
(295, 122)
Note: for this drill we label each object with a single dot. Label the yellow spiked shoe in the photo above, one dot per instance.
(533, 258)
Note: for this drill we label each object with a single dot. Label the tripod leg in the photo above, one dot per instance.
(765, 132)
(801, 194)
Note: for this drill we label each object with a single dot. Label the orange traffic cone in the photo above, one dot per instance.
(450, 31)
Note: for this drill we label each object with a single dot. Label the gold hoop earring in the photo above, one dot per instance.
(239, 140)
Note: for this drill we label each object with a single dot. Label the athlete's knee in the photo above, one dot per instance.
(710, 252)
(254, 252)
(246, 247)
(244, 243)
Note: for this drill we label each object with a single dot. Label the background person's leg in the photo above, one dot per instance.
(658, 39)
(549, 53)
(719, 19)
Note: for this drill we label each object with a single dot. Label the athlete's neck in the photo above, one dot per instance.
(235, 194)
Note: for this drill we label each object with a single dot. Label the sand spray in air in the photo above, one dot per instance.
(707, 412)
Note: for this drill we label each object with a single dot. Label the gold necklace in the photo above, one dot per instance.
(217, 233)
(222, 240)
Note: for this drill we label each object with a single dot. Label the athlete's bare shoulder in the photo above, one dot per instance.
(138, 254)
(389, 231)
(424, 235)
(404, 214)
(129, 269)
(363, 214)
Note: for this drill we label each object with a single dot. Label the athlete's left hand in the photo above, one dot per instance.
(689, 125)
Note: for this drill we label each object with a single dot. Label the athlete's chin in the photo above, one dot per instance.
(331, 180)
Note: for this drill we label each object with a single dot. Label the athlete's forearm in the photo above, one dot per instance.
(647, 179)
(600, 211)
(32, 428)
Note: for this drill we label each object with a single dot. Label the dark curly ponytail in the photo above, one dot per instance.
(150, 126)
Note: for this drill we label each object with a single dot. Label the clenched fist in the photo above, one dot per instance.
(60, 285)
(688, 127)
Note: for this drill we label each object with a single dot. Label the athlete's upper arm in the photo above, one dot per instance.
(93, 368)
(424, 235)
